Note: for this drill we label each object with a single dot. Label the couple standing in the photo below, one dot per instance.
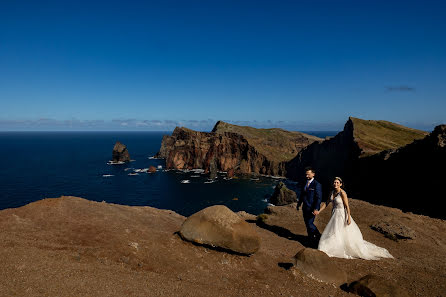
(341, 237)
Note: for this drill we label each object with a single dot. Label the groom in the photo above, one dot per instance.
(311, 197)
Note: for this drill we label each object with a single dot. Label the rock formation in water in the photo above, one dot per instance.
(243, 149)
(282, 195)
(120, 153)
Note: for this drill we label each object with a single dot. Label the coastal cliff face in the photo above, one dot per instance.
(380, 162)
(242, 149)
(338, 156)
(409, 177)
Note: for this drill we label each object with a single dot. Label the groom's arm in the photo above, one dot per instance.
(299, 201)
(318, 197)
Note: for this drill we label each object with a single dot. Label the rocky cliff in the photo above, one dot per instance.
(409, 177)
(338, 155)
(380, 162)
(243, 149)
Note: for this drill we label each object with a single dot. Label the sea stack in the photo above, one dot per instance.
(120, 153)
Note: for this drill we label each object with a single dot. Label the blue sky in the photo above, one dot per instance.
(152, 65)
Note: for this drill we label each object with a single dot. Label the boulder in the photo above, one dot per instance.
(152, 169)
(120, 153)
(282, 195)
(393, 230)
(376, 286)
(230, 173)
(320, 266)
(218, 226)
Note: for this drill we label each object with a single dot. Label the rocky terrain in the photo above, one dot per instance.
(229, 147)
(69, 246)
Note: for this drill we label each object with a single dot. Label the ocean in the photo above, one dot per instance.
(38, 165)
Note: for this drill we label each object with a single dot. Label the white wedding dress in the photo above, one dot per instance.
(345, 241)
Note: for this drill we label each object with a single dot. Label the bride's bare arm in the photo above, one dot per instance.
(345, 201)
(323, 205)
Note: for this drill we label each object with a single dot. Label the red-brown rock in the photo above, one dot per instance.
(218, 226)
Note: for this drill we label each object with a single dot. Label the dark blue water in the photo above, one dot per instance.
(37, 165)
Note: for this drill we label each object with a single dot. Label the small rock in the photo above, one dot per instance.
(376, 286)
(282, 195)
(393, 230)
(246, 216)
(152, 169)
(320, 266)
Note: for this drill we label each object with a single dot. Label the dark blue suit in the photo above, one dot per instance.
(311, 198)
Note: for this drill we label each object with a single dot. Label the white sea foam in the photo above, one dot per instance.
(115, 162)
(107, 175)
(185, 181)
(133, 174)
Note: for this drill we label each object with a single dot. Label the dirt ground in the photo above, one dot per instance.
(70, 246)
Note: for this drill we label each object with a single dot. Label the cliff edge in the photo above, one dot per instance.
(229, 147)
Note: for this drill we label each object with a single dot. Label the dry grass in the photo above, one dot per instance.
(376, 136)
(276, 144)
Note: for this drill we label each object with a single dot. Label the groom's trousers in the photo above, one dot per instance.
(309, 223)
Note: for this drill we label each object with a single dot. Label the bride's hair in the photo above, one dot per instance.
(340, 180)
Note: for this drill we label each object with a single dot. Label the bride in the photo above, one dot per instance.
(342, 237)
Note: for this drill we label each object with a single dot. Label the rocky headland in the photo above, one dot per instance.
(244, 150)
(381, 162)
(70, 246)
(390, 158)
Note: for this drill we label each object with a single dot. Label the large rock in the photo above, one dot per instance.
(282, 195)
(120, 153)
(394, 230)
(244, 149)
(218, 226)
(375, 286)
(318, 265)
